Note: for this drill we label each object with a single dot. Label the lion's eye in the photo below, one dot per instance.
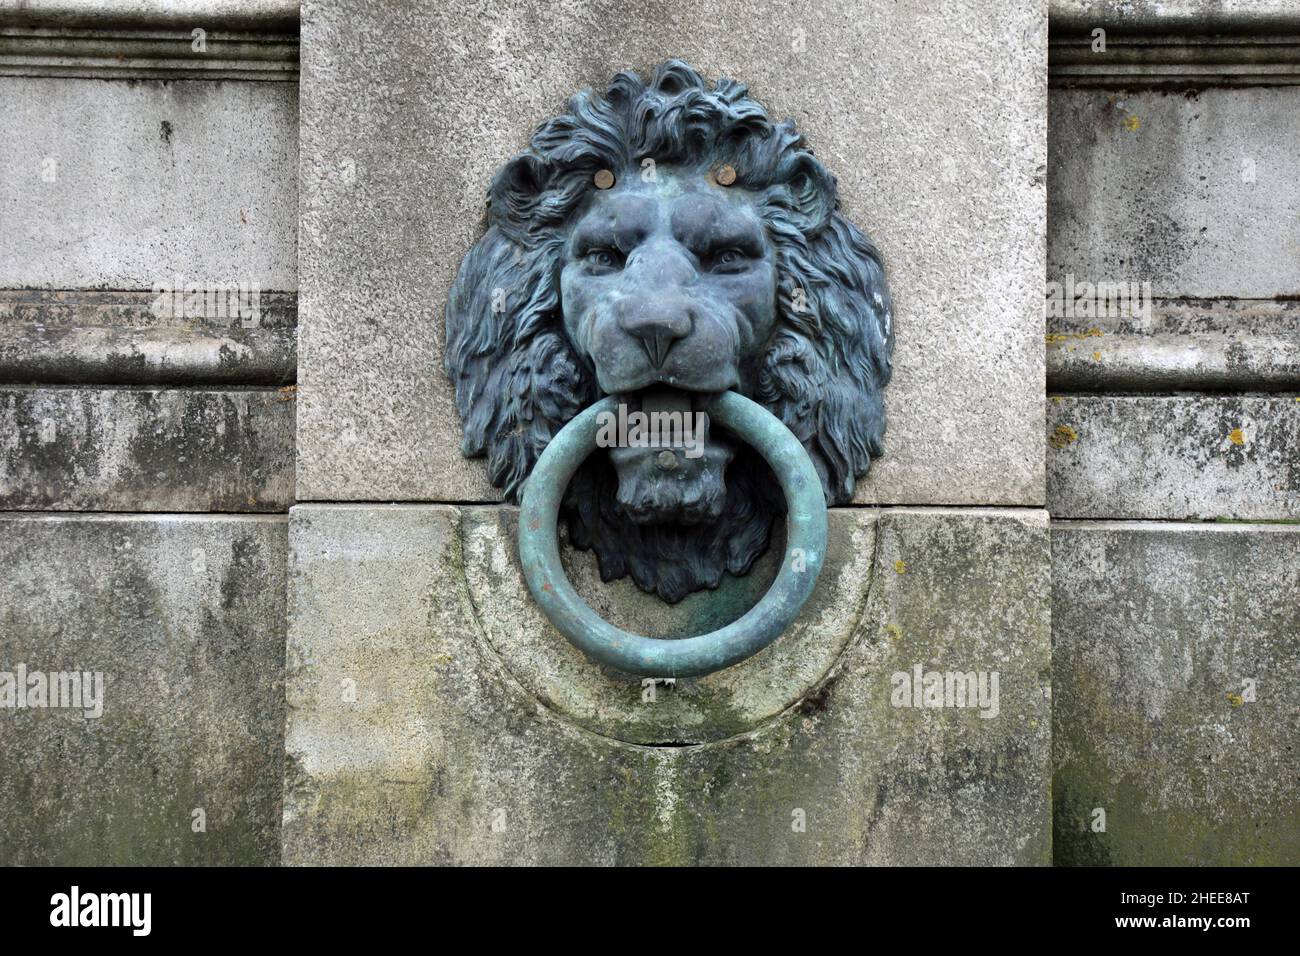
(729, 260)
(603, 259)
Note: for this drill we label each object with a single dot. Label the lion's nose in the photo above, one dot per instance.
(657, 330)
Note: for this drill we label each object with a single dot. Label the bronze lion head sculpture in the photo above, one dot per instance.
(662, 243)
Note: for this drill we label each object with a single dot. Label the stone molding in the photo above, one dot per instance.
(253, 40)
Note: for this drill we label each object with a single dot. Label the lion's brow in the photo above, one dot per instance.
(607, 230)
(720, 230)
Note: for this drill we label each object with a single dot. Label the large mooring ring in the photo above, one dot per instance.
(539, 549)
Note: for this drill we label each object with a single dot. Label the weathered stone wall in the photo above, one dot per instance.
(1173, 162)
(137, 440)
(1124, 555)
(182, 616)
(1174, 688)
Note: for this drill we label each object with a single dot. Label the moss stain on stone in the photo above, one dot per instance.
(1062, 436)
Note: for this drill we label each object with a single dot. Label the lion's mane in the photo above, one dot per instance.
(519, 379)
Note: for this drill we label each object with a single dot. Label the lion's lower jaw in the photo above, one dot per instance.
(663, 486)
(650, 505)
(675, 558)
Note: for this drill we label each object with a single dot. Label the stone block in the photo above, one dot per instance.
(435, 718)
(1174, 689)
(1197, 193)
(1174, 16)
(932, 120)
(158, 14)
(183, 616)
(122, 185)
(1184, 456)
(126, 449)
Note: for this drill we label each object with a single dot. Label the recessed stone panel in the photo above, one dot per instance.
(1193, 191)
(124, 184)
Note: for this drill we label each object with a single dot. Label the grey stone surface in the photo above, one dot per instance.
(1237, 345)
(280, 14)
(1175, 16)
(1184, 456)
(431, 721)
(90, 337)
(151, 180)
(1197, 193)
(933, 120)
(92, 449)
(1155, 629)
(184, 618)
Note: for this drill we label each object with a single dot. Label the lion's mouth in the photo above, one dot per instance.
(666, 398)
(671, 466)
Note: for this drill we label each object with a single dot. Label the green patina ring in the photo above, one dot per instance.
(539, 550)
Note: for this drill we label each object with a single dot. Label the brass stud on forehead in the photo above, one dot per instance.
(725, 175)
(604, 179)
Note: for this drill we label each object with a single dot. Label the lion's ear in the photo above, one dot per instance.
(797, 182)
(812, 193)
(827, 370)
(516, 191)
(517, 379)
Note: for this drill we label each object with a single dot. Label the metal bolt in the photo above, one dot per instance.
(667, 460)
(726, 175)
(604, 179)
